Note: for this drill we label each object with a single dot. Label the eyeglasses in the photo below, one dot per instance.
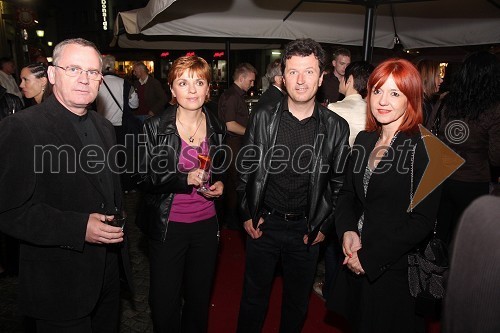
(76, 71)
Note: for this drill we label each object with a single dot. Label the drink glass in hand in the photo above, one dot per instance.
(115, 219)
(205, 166)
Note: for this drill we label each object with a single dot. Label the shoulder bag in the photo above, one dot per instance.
(428, 264)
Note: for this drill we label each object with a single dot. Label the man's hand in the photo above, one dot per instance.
(319, 238)
(254, 233)
(101, 233)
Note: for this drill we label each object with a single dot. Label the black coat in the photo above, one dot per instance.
(380, 301)
(270, 97)
(326, 177)
(47, 209)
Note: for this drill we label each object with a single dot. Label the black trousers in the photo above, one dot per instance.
(105, 317)
(280, 240)
(181, 276)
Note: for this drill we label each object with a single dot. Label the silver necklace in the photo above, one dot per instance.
(191, 137)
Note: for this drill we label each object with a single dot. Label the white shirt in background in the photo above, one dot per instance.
(107, 107)
(353, 109)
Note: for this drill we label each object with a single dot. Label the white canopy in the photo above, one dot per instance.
(432, 23)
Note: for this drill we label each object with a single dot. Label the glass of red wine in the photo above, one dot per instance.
(205, 166)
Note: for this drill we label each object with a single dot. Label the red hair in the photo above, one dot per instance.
(408, 80)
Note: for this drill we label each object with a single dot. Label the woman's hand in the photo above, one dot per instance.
(195, 177)
(351, 243)
(214, 191)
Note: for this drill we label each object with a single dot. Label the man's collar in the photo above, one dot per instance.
(142, 82)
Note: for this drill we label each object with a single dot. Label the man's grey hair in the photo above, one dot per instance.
(79, 41)
(108, 63)
(273, 70)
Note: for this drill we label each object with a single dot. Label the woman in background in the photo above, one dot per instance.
(182, 221)
(372, 219)
(35, 84)
(470, 125)
(431, 80)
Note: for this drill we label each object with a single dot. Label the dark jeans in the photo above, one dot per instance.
(181, 275)
(106, 315)
(280, 240)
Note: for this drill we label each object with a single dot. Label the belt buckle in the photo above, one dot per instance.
(289, 215)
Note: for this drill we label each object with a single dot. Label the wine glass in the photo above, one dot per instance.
(205, 166)
(204, 160)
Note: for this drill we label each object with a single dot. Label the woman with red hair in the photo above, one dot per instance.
(373, 221)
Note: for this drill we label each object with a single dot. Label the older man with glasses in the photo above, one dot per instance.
(59, 194)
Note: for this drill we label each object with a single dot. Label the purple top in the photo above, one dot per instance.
(192, 207)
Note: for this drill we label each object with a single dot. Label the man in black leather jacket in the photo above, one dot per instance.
(291, 167)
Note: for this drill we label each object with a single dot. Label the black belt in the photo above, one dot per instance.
(285, 216)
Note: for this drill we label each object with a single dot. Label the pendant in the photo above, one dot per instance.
(191, 139)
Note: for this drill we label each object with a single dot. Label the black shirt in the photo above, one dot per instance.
(288, 185)
(92, 158)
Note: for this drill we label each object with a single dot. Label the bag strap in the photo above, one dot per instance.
(436, 124)
(411, 184)
(114, 98)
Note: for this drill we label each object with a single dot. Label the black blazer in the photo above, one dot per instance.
(389, 231)
(60, 274)
(270, 97)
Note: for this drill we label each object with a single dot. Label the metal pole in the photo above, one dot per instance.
(368, 33)
(228, 65)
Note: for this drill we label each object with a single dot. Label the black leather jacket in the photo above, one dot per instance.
(328, 167)
(9, 104)
(159, 177)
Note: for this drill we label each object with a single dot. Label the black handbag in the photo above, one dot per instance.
(428, 264)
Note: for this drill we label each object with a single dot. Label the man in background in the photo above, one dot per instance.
(7, 80)
(276, 91)
(329, 90)
(115, 101)
(233, 111)
(152, 97)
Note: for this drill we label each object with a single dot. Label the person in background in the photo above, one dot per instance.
(35, 84)
(431, 79)
(276, 91)
(233, 111)
(353, 109)
(470, 126)
(374, 224)
(7, 80)
(71, 258)
(288, 213)
(152, 97)
(9, 103)
(329, 90)
(115, 97)
(472, 300)
(183, 230)
(42, 59)
(9, 247)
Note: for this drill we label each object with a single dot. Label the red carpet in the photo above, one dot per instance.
(227, 293)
